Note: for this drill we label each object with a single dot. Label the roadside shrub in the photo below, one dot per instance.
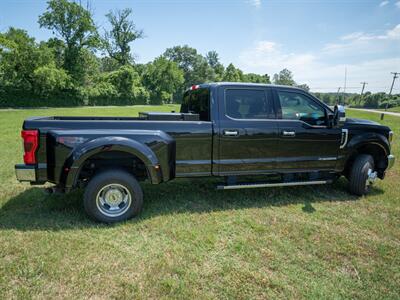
(13, 97)
(120, 87)
(394, 102)
(103, 93)
(48, 80)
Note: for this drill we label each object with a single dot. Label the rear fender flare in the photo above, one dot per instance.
(86, 150)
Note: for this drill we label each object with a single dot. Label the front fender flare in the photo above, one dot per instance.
(86, 150)
(369, 138)
(360, 140)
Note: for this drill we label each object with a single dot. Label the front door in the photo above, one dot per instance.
(247, 131)
(305, 140)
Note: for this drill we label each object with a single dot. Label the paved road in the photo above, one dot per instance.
(377, 111)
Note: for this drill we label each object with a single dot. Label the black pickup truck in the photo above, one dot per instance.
(274, 135)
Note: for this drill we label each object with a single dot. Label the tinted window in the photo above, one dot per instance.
(296, 106)
(197, 102)
(248, 104)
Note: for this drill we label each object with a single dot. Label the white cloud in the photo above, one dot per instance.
(323, 69)
(364, 42)
(383, 3)
(398, 4)
(394, 33)
(268, 55)
(352, 36)
(255, 3)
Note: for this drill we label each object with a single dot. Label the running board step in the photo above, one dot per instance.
(262, 185)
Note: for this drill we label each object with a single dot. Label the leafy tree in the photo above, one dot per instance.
(162, 78)
(108, 64)
(49, 80)
(232, 74)
(328, 99)
(102, 93)
(285, 77)
(373, 100)
(127, 82)
(213, 61)
(74, 25)
(122, 87)
(20, 57)
(123, 32)
(57, 46)
(194, 66)
(304, 87)
(256, 78)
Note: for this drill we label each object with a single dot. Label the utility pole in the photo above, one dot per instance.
(338, 95)
(362, 90)
(345, 84)
(395, 76)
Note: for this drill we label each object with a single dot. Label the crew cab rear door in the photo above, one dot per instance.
(247, 131)
(305, 140)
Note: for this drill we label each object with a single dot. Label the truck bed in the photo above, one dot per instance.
(194, 139)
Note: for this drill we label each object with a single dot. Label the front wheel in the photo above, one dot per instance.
(361, 175)
(113, 196)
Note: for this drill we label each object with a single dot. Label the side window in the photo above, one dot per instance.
(296, 106)
(248, 104)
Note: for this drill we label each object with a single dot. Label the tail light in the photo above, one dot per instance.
(31, 143)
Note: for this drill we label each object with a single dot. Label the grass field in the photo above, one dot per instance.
(392, 109)
(395, 109)
(192, 241)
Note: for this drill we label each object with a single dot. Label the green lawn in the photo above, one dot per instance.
(192, 241)
(395, 109)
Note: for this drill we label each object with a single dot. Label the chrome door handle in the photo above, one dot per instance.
(288, 133)
(231, 132)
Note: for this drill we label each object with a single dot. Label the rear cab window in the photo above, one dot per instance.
(197, 102)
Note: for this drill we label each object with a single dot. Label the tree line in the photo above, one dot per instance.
(82, 64)
(367, 100)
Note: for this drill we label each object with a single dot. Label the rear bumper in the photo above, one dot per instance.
(33, 174)
(391, 160)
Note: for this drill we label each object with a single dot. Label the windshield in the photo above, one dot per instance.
(197, 102)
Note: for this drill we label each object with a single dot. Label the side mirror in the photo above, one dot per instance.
(330, 119)
(339, 116)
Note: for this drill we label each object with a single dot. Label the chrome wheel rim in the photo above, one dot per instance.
(113, 200)
(371, 178)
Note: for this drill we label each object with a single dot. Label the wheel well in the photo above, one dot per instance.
(112, 160)
(376, 151)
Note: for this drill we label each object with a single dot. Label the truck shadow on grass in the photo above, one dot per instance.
(34, 210)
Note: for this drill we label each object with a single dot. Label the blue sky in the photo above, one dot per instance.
(317, 40)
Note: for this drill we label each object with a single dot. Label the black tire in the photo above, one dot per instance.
(113, 185)
(358, 174)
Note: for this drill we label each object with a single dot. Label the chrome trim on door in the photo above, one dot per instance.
(288, 133)
(344, 138)
(231, 132)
